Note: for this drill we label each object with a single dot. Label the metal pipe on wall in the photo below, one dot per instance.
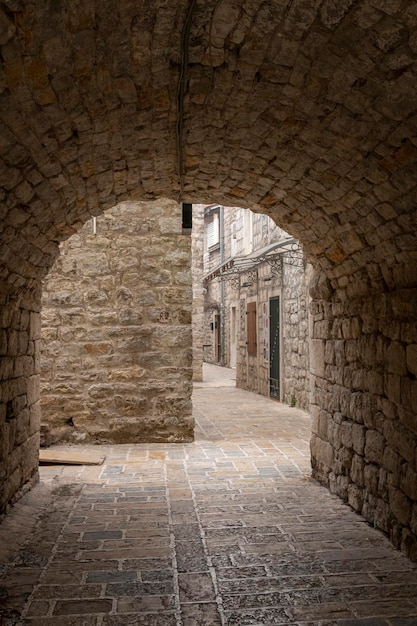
(222, 312)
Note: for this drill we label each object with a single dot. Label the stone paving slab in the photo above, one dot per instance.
(229, 530)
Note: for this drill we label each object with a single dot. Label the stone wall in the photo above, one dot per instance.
(364, 442)
(19, 407)
(197, 270)
(116, 331)
(295, 332)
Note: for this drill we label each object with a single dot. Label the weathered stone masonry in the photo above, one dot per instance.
(296, 381)
(20, 408)
(116, 336)
(303, 110)
(364, 443)
(197, 268)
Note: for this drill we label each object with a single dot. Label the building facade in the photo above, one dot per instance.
(256, 303)
(116, 357)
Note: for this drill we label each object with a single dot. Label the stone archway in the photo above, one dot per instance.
(302, 110)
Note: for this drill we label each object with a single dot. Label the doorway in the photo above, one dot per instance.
(274, 350)
(233, 342)
(217, 335)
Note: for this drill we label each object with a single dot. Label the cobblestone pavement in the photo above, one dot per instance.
(229, 530)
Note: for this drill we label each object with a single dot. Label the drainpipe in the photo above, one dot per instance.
(222, 328)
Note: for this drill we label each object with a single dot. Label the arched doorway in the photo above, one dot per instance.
(305, 111)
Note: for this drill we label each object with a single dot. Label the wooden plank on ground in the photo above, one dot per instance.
(70, 457)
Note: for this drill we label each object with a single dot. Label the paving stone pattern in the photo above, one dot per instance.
(229, 530)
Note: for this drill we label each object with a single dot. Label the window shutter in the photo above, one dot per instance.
(251, 329)
(213, 231)
(210, 234)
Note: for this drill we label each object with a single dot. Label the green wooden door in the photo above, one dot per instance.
(274, 348)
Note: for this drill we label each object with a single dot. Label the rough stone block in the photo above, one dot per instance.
(347, 434)
(370, 477)
(413, 523)
(322, 451)
(355, 497)
(392, 388)
(323, 425)
(358, 438)
(374, 446)
(411, 358)
(400, 440)
(400, 506)
(396, 359)
(408, 481)
(391, 460)
(317, 357)
(381, 517)
(357, 470)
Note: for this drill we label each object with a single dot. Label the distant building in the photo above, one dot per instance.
(256, 303)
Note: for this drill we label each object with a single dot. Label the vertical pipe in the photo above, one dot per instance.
(222, 312)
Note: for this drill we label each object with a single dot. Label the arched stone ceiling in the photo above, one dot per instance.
(303, 109)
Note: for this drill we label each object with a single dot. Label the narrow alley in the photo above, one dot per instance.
(229, 530)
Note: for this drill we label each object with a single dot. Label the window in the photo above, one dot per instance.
(213, 231)
(251, 344)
